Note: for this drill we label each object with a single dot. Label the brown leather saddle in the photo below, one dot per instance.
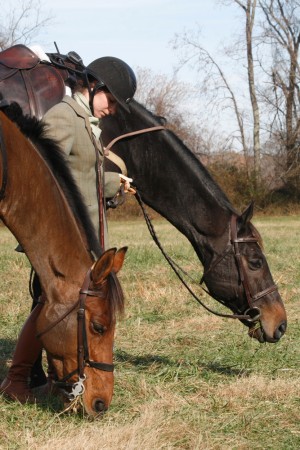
(36, 85)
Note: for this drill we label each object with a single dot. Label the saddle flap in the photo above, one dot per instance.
(19, 57)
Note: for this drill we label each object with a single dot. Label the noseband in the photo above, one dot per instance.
(83, 359)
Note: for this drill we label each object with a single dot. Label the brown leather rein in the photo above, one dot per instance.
(252, 314)
(4, 165)
(133, 133)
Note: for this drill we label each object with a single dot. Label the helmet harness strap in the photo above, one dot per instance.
(92, 92)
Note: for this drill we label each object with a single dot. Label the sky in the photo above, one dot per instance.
(138, 31)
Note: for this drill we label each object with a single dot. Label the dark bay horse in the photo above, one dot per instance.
(171, 180)
(82, 294)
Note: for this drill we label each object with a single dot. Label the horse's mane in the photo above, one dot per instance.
(34, 130)
(150, 119)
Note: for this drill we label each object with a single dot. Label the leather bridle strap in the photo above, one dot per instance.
(4, 165)
(133, 133)
(100, 193)
(81, 335)
(83, 348)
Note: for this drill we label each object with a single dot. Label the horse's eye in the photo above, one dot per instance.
(255, 263)
(98, 327)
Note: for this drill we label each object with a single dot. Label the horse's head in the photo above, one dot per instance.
(239, 277)
(79, 337)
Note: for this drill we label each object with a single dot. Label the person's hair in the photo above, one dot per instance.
(82, 85)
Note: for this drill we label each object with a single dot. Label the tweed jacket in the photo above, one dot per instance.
(69, 125)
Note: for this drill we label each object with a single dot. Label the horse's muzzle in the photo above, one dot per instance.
(257, 332)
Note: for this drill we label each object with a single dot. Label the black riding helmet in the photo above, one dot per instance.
(116, 76)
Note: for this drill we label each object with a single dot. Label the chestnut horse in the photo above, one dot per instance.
(171, 180)
(82, 293)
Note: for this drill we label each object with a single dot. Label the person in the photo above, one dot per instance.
(75, 123)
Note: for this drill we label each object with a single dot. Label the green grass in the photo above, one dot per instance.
(184, 379)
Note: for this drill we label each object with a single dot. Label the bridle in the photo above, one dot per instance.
(83, 359)
(251, 298)
(252, 310)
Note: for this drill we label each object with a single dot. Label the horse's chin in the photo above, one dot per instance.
(257, 332)
(80, 406)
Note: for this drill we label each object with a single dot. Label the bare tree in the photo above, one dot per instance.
(249, 8)
(174, 100)
(21, 23)
(214, 85)
(282, 33)
(169, 98)
(160, 93)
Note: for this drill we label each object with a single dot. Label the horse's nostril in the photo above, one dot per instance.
(99, 406)
(282, 327)
(280, 330)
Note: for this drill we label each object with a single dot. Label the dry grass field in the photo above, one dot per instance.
(184, 379)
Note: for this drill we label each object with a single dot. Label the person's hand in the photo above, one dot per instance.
(126, 182)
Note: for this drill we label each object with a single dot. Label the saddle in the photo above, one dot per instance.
(34, 84)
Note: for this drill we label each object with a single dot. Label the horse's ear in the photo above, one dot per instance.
(119, 259)
(246, 215)
(103, 266)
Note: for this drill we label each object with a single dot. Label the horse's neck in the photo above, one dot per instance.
(181, 190)
(38, 215)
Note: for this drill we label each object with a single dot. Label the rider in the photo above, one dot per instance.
(108, 83)
(74, 124)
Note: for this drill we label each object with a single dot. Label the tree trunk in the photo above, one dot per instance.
(250, 16)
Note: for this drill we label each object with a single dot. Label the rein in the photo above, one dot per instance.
(132, 133)
(4, 165)
(83, 359)
(252, 314)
